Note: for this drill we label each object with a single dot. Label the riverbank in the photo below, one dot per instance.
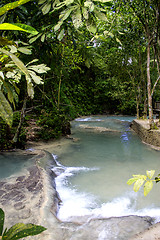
(151, 137)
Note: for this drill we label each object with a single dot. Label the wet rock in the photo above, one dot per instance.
(20, 179)
(1, 184)
(10, 186)
(19, 206)
(121, 228)
(13, 195)
(2, 192)
(24, 214)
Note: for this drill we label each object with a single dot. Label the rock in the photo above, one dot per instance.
(142, 128)
(23, 214)
(19, 206)
(121, 228)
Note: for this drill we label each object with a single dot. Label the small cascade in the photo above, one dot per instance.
(92, 175)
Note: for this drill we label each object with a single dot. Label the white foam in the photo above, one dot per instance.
(83, 119)
(81, 204)
(88, 119)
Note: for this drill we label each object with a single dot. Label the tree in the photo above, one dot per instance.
(147, 14)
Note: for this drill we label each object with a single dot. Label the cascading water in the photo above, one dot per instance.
(93, 172)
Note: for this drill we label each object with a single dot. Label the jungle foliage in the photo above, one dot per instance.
(70, 58)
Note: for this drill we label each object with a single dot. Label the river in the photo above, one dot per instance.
(94, 169)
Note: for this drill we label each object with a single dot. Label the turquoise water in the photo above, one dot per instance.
(97, 165)
(12, 163)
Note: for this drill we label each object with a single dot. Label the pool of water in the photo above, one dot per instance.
(94, 170)
(12, 163)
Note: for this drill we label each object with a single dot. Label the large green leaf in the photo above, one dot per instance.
(23, 68)
(16, 60)
(18, 27)
(21, 230)
(1, 221)
(12, 5)
(6, 112)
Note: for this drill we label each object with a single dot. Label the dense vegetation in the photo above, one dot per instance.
(74, 58)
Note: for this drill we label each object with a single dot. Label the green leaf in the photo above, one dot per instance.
(150, 173)
(90, 5)
(100, 15)
(12, 5)
(77, 18)
(87, 63)
(65, 14)
(147, 187)
(85, 13)
(67, 2)
(140, 176)
(46, 8)
(16, 60)
(35, 38)
(18, 27)
(117, 39)
(43, 38)
(1, 75)
(138, 184)
(9, 91)
(25, 50)
(35, 77)
(91, 27)
(2, 216)
(106, 33)
(131, 181)
(30, 88)
(13, 49)
(61, 35)
(27, 28)
(33, 61)
(58, 25)
(21, 230)
(41, 1)
(40, 68)
(6, 112)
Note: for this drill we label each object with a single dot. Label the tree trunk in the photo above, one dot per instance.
(149, 88)
(16, 136)
(137, 101)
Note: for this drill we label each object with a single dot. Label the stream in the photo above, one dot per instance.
(94, 169)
